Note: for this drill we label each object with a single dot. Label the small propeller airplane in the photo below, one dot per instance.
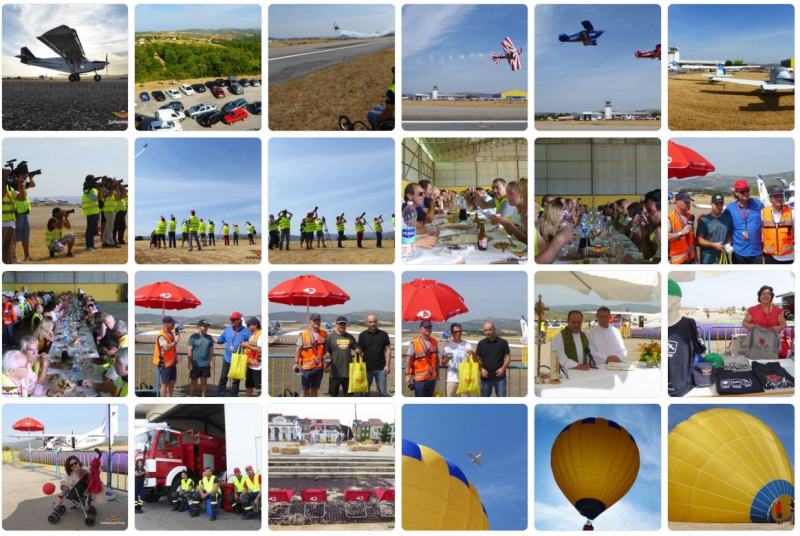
(588, 36)
(512, 54)
(72, 442)
(649, 55)
(780, 79)
(64, 41)
(476, 458)
(722, 72)
(336, 27)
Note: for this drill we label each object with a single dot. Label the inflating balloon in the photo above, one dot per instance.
(726, 466)
(436, 494)
(595, 462)
(49, 488)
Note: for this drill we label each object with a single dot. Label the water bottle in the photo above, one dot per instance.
(76, 372)
(408, 245)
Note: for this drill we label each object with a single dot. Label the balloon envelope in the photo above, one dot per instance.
(595, 462)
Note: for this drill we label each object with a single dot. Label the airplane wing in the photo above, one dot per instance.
(64, 41)
(478, 461)
(587, 25)
(508, 46)
(738, 81)
(51, 436)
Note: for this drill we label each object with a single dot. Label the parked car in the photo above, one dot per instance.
(236, 89)
(199, 88)
(187, 89)
(159, 96)
(173, 93)
(144, 96)
(173, 105)
(210, 119)
(218, 92)
(257, 108)
(234, 116)
(200, 109)
(165, 125)
(211, 84)
(255, 82)
(170, 115)
(234, 105)
(221, 82)
(244, 82)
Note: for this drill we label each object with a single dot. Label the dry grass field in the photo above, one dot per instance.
(350, 254)
(499, 104)
(219, 254)
(165, 84)
(315, 101)
(697, 104)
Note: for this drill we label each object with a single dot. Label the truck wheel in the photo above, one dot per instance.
(151, 496)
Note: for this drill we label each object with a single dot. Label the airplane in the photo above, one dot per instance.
(336, 27)
(476, 459)
(588, 36)
(64, 41)
(722, 72)
(788, 191)
(511, 54)
(780, 79)
(73, 442)
(651, 55)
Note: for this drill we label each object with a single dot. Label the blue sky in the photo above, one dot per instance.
(369, 291)
(562, 295)
(750, 32)
(64, 176)
(61, 418)
(452, 430)
(450, 46)
(640, 508)
(337, 175)
(738, 289)
(778, 417)
(219, 292)
(171, 17)
(218, 178)
(357, 20)
(742, 156)
(102, 29)
(575, 78)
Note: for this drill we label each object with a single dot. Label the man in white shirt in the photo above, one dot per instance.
(571, 344)
(454, 353)
(605, 341)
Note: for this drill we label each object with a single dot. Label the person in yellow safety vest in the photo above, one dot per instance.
(208, 489)
(202, 230)
(9, 220)
(161, 233)
(253, 349)
(183, 493)
(284, 226)
(274, 233)
(9, 319)
(422, 362)
(110, 193)
(165, 357)
(119, 220)
(184, 232)
(37, 316)
(340, 221)
(319, 227)
(235, 234)
(309, 356)
(38, 361)
(172, 225)
(379, 116)
(360, 230)
(90, 206)
(392, 221)
(22, 207)
(54, 238)
(239, 488)
(251, 499)
(226, 231)
(681, 231)
(118, 386)
(194, 226)
(307, 227)
(211, 240)
(778, 230)
(251, 233)
(376, 226)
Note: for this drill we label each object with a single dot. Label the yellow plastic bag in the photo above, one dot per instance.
(469, 378)
(358, 376)
(238, 370)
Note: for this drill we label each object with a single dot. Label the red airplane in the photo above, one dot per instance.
(651, 55)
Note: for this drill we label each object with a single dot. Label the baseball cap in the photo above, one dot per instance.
(192, 212)
(248, 468)
(236, 470)
(314, 316)
(673, 288)
(341, 320)
(202, 323)
(683, 196)
(236, 315)
(167, 320)
(741, 185)
(253, 320)
(775, 190)
(717, 198)
(426, 324)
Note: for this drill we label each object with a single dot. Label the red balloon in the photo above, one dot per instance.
(49, 488)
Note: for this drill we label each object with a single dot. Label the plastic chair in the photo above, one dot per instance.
(355, 503)
(385, 502)
(280, 503)
(313, 501)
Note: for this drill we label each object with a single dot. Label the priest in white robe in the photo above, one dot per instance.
(605, 341)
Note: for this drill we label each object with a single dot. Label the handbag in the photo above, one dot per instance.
(358, 376)
(238, 370)
(469, 377)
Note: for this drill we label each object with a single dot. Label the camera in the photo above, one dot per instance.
(18, 171)
(70, 211)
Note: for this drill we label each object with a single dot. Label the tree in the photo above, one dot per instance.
(386, 433)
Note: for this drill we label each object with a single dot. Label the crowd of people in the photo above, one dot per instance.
(314, 229)
(196, 230)
(745, 231)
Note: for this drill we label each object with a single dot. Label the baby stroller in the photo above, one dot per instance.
(78, 497)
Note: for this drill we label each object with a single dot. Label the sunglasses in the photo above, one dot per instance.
(456, 331)
(75, 464)
(742, 191)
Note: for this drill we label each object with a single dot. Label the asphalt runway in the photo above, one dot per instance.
(465, 117)
(619, 126)
(290, 62)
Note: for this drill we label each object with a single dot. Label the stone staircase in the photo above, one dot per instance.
(330, 467)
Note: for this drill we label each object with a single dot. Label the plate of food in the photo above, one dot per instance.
(507, 247)
(64, 386)
(461, 239)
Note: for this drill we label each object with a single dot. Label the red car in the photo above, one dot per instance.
(218, 92)
(234, 116)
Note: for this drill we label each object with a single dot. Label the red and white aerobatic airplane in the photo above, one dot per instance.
(511, 54)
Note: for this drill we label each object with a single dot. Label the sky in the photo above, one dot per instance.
(344, 412)
(369, 291)
(172, 17)
(337, 175)
(754, 33)
(63, 176)
(561, 295)
(573, 78)
(357, 20)
(733, 289)
(487, 294)
(218, 178)
(451, 45)
(640, 508)
(102, 29)
(500, 431)
(219, 292)
(775, 416)
(64, 419)
(742, 156)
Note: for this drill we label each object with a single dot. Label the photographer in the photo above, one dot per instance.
(319, 225)
(22, 206)
(251, 233)
(284, 226)
(340, 221)
(274, 233)
(90, 206)
(211, 240)
(376, 223)
(110, 198)
(360, 221)
(54, 238)
(9, 220)
(235, 234)
(119, 220)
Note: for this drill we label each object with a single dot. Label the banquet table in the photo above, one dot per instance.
(641, 381)
(83, 350)
(630, 253)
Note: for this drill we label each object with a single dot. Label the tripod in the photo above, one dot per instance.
(327, 234)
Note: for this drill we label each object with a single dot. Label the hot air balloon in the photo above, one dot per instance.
(726, 466)
(436, 494)
(595, 462)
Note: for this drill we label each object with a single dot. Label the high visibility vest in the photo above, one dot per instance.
(391, 90)
(184, 228)
(238, 483)
(161, 228)
(235, 229)
(497, 203)
(284, 223)
(10, 387)
(318, 225)
(378, 228)
(253, 484)
(681, 250)
(109, 204)
(187, 484)
(251, 230)
(425, 365)
(49, 235)
(202, 227)
(194, 223)
(120, 387)
(312, 351)
(340, 226)
(208, 483)
(89, 203)
(9, 315)
(226, 230)
(172, 225)
(392, 221)
(24, 206)
(33, 321)
(273, 225)
(122, 204)
(253, 357)
(9, 210)
(210, 229)
(778, 237)
(359, 226)
(170, 356)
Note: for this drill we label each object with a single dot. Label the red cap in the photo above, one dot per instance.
(162, 218)
(201, 219)
(236, 470)
(248, 468)
(741, 185)
(193, 213)
(236, 315)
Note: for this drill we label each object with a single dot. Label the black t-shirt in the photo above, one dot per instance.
(492, 355)
(682, 345)
(773, 376)
(341, 349)
(372, 345)
(737, 383)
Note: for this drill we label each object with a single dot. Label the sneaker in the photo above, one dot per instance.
(16, 261)
(91, 249)
(70, 255)
(122, 242)
(29, 259)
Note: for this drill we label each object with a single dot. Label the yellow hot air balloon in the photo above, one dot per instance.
(726, 466)
(595, 462)
(436, 494)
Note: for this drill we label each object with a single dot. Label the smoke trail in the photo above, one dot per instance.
(366, 35)
(140, 152)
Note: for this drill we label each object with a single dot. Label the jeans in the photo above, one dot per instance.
(284, 234)
(500, 386)
(223, 381)
(8, 334)
(119, 226)
(91, 229)
(340, 238)
(274, 239)
(425, 388)
(380, 381)
(769, 259)
(379, 237)
(756, 259)
(373, 114)
(173, 243)
(196, 237)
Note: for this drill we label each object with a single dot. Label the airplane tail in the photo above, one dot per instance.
(721, 70)
(496, 58)
(25, 55)
(762, 190)
(523, 324)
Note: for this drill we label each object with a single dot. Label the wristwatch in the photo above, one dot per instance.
(680, 233)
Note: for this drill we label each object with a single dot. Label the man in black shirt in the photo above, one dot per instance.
(494, 357)
(339, 348)
(376, 348)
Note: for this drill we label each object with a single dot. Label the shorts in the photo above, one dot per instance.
(22, 229)
(57, 246)
(200, 372)
(334, 383)
(253, 379)
(202, 235)
(312, 379)
(168, 374)
(320, 234)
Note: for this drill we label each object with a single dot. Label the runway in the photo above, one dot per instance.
(286, 63)
(464, 117)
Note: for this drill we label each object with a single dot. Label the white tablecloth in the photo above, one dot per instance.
(629, 247)
(639, 382)
(437, 254)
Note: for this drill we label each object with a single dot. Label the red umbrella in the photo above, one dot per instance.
(165, 295)
(308, 290)
(683, 162)
(28, 425)
(426, 299)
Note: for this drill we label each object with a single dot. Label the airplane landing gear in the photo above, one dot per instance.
(96, 77)
(74, 78)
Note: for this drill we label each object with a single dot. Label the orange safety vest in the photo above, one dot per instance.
(253, 356)
(9, 315)
(778, 237)
(170, 356)
(313, 352)
(681, 250)
(425, 364)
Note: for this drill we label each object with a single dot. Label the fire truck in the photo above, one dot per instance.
(167, 452)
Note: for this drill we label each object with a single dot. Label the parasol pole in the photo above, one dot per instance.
(30, 453)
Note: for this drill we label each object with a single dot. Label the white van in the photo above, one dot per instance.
(168, 114)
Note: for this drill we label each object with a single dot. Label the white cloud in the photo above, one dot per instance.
(425, 27)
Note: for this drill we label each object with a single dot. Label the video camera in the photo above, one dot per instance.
(18, 171)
